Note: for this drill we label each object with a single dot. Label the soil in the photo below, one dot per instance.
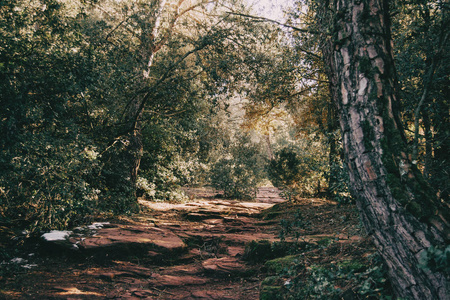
(194, 250)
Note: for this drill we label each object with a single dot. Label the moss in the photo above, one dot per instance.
(351, 266)
(271, 281)
(270, 293)
(415, 209)
(365, 66)
(369, 135)
(278, 265)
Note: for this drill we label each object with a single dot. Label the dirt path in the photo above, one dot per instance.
(194, 250)
(173, 251)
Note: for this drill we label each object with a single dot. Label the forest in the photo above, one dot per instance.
(107, 102)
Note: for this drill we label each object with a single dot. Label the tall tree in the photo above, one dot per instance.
(420, 32)
(396, 205)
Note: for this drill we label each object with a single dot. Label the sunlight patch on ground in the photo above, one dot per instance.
(314, 201)
(10, 294)
(76, 291)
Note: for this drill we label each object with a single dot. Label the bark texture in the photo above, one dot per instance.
(396, 206)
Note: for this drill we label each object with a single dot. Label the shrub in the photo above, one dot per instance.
(46, 184)
(239, 173)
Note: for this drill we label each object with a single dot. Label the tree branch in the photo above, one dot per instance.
(157, 83)
(427, 84)
(263, 19)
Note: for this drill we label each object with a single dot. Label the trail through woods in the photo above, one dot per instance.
(194, 250)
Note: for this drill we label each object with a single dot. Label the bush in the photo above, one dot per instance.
(298, 170)
(284, 170)
(239, 173)
(344, 280)
(339, 183)
(46, 184)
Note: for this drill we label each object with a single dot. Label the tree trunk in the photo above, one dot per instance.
(269, 146)
(333, 154)
(121, 163)
(134, 152)
(428, 161)
(396, 206)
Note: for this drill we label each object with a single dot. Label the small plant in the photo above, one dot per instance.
(292, 227)
(339, 180)
(352, 278)
(436, 259)
(288, 194)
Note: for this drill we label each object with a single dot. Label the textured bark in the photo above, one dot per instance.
(134, 148)
(269, 146)
(395, 205)
(428, 161)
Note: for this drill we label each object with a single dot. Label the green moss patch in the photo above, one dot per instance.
(281, 264)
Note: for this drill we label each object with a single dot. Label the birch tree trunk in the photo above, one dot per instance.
(150, 44)
(152, 38)
(396, 206)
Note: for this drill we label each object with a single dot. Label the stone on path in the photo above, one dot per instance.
(135, 237)
(208, 295)
(224, 266)
(158, 280)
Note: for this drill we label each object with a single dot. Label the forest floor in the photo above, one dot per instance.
(196, 250)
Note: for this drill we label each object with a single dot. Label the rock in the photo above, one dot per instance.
(208, 295)
(133, 239)
(59, 240)
(190, 269)
(171, 280)
(135, 270)
(213, 221)
(144, 294)
(235, 251)
(224, 266)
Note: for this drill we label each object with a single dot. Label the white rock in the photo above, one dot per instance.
(18, 260)
(29, 266)
(97, 225)
(56, 235)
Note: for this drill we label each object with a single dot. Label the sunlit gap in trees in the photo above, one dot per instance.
(272, 9)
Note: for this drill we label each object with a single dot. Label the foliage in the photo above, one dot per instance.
(170, 161)
(46, 164)
(347, 279)
(284, 169)
(436, 259)
(239, 173)
(339, 183)
(72, 86)
(299, 169)
(47, 185)
(292, 226)
(422, 54)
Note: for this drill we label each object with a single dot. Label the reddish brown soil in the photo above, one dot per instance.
(193, 250)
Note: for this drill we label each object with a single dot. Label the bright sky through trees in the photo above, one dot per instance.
(272, 9)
